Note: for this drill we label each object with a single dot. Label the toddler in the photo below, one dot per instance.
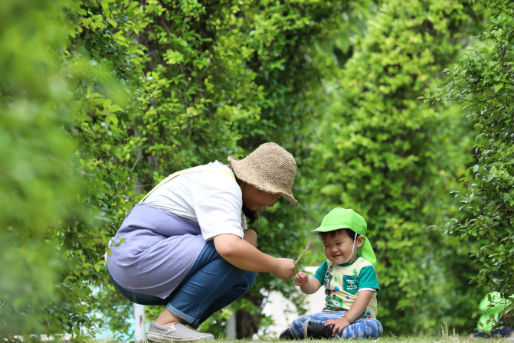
(350, 282)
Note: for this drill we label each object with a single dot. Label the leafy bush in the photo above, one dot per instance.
(37, 177)
(204, 81)
(103, 98)
(383, 152)
(482, 82)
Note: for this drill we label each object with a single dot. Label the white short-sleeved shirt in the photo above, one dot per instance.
(207, 194)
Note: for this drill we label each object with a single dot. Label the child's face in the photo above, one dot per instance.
(338, 248)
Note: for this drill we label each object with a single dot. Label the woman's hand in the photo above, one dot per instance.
(284, 268)
(301, 279)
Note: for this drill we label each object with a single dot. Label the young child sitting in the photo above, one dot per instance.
(350, 282)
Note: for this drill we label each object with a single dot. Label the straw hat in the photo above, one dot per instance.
(269, 168)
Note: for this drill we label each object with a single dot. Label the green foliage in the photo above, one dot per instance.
(103, 98)
(53, 203)
(205, 80)
(482, 82)
(394, 159)
(101, 127)
(36, 175)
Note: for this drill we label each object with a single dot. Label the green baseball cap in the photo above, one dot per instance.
(346, 218)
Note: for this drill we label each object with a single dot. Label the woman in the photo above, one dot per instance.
(186, 244)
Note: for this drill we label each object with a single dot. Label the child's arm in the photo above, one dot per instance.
(308, 284)
(358, 306)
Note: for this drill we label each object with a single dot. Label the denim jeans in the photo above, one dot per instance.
(359, 328)
(212, 284)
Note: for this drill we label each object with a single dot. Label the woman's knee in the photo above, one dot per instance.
(211, 264)
(249, 278)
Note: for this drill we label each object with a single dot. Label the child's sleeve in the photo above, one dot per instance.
(320, 273)
(368, 278)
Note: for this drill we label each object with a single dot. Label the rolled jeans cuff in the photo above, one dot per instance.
(194, 322)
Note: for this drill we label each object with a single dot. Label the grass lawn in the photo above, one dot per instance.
(385, 339)
(414, 339)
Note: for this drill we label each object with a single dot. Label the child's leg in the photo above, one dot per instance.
(363, 328)
(297, 325)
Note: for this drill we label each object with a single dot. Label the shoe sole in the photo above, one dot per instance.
(157, 338)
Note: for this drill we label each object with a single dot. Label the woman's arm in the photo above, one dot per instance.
(250, 236)
(244, 255)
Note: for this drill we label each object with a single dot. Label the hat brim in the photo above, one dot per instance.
(258, 182)
(328, 228)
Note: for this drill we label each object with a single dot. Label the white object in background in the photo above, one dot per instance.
(283, 311)
(139, 323)
(231, 329)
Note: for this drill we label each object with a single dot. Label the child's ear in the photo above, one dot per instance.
(360, 241)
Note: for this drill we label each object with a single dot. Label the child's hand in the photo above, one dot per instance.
(301, 279)
(339, 325)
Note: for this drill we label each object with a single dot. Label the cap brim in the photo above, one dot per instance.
(328, 228)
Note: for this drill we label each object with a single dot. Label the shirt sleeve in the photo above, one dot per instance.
(320, 273)
(218, 207)
(368, 278)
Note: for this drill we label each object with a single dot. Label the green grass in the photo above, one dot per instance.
(445, 337)
(413, 339)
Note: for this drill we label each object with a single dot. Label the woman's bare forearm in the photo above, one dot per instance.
(244, 255)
